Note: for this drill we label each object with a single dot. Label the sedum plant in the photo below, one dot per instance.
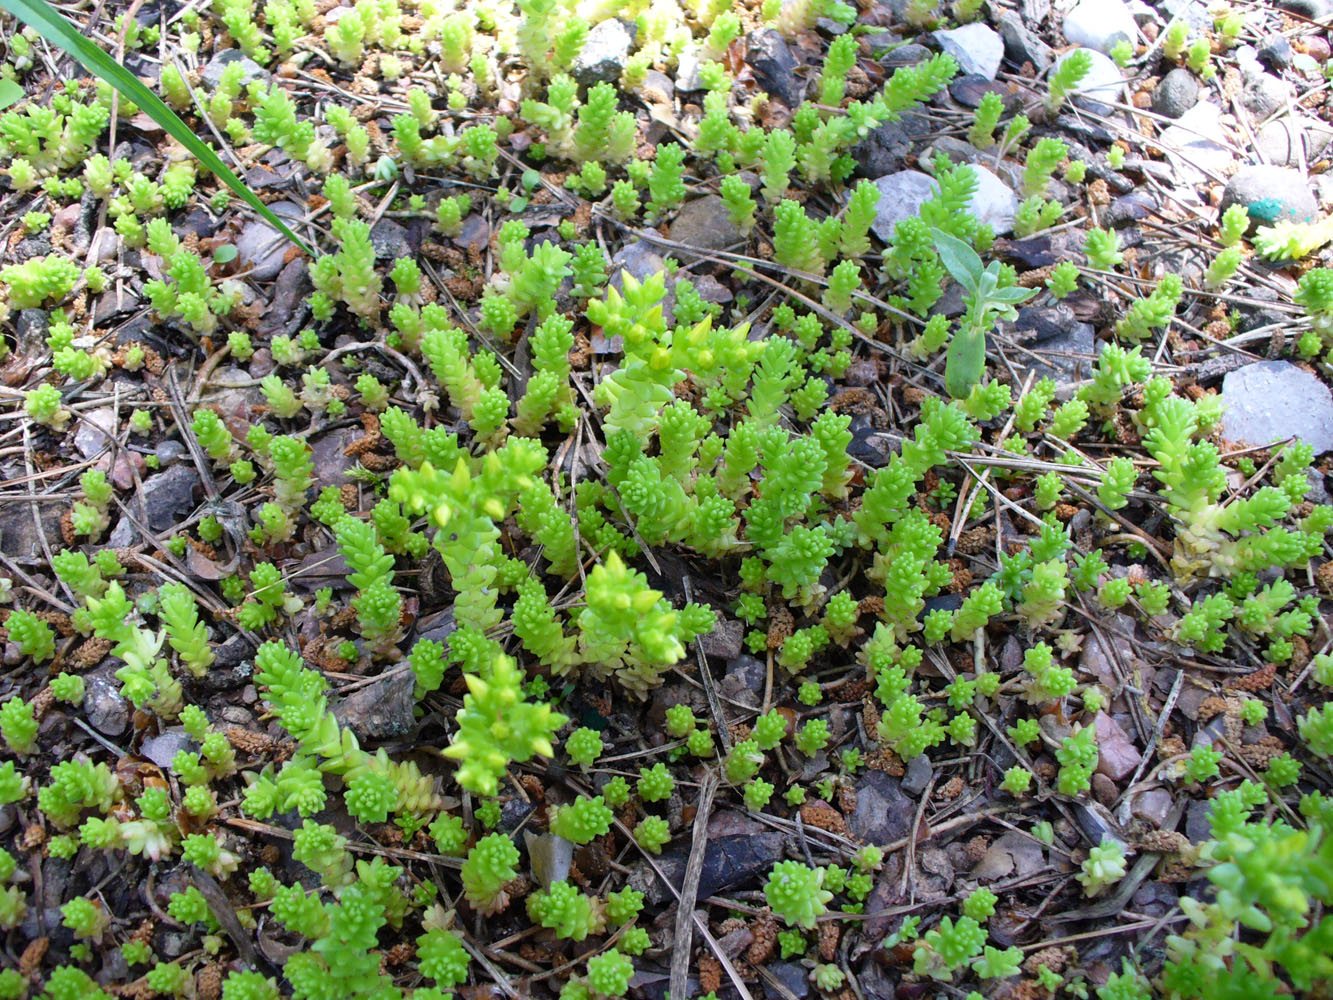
(39, 281)
(949, 947)
(1211, 538)
(796, 893)
(496, 725)
(566, 911)
(1104, 866)
(629, 630)
(1067, 75)
(18, 726)
(349, 275)
(185, 633)
(581, 821)
(488, 868)
(33, 636)
(378, 604)
(722, 445)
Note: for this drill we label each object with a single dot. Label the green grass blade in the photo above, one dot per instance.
(61, 33)
(9, 93)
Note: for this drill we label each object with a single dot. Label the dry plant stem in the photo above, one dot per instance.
(710, 688)
(689, 890)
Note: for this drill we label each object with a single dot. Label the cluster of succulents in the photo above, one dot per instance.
(537, 430)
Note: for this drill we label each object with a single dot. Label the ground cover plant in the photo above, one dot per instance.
(734, 499)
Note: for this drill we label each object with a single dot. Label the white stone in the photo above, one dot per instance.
(1198, 143)
(1274, 400)
(993, 202)
(977, 48)
(901, 196)
(96, 431)
(604, 53)
(1103, 82)
(1100, 24)
(1304, 63)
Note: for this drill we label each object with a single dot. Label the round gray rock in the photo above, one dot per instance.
(169, 453)
(105, 708)
(901, 196)
(1065, 344)
(977, 48)
(1323, 186)
(1264, 94)
(1198, 143)
(1271, 194)
(880, 153)
(970, 91)
(1291, 141)
(638, 258)
(919, 773)
(1315, 10)
(32, 328)
(392, 241)
(883, 813)
(261, 247)
(251, 71)
(1193, 12)
(1177, 92)
(162, 749)
(96, 431)
(381, 711)
(1275, 52)
(905, 55)
(1274, 400)
(1128, 209)
(704, 223)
